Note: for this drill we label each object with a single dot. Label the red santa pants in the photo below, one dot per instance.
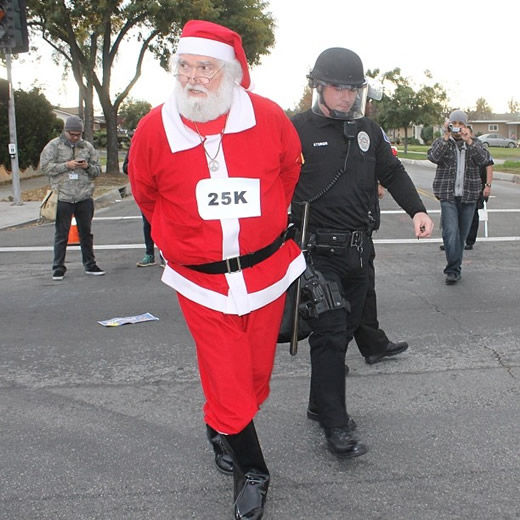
(236, 357)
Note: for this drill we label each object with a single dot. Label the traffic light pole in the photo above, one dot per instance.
(13, 143)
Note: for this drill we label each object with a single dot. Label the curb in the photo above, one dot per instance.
(113, 195)
(104, 200)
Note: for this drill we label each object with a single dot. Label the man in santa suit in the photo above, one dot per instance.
(213, 170)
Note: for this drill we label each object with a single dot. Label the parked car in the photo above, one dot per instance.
(497, 140)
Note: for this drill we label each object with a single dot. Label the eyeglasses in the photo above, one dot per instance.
(203, 77)
(74, 134)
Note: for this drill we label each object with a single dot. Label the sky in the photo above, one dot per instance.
(471, 48)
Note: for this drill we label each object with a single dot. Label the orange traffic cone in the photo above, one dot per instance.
(73, 239)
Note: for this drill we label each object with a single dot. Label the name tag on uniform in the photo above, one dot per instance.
(73, 176)
(233, 197)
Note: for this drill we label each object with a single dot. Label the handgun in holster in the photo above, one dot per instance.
(319, 295)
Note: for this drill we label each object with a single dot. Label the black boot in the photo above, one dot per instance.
(314, 415)
(250, 473)
(342, 443)
(223, 461)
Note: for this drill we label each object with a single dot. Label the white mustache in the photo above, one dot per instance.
(204, 108)
(198, 88)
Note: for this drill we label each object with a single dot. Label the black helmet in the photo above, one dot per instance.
(338, 69)
(338, 66)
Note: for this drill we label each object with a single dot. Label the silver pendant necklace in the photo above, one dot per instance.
(213, 164)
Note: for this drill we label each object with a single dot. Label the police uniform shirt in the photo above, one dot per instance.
(345, 206)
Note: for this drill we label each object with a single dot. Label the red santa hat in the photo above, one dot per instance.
(216, 41)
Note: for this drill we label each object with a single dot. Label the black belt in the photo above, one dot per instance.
(237, 263)
(329, 238)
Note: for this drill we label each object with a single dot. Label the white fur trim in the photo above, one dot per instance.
(206, 47)
(237, 301)
(180, 137)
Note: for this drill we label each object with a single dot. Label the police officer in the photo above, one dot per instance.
(372, 341)
(345, 154)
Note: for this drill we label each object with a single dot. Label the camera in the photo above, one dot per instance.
(453, 129)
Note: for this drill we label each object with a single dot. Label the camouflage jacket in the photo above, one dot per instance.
(73, 185)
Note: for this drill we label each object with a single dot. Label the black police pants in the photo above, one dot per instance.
(333, 330)
(370, 339)
(83, 212)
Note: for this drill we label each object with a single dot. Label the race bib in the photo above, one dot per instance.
(232, 197)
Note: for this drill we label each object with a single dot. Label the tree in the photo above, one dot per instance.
(403, 106)
(131, 112)
(36, 125)
(482, 109)
(304, 104)
(514, 106)
(88, 36)
(427, 134)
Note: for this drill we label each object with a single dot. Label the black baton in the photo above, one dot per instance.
(293, 346)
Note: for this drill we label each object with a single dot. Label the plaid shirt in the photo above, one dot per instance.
(444, 154)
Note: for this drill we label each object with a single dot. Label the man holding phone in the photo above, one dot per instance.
(72, 164)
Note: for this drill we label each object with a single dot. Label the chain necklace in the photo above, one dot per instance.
(213, 164)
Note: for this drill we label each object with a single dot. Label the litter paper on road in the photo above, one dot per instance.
(116, 322)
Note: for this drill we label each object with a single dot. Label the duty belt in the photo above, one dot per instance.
(237, 263)
(328, 241)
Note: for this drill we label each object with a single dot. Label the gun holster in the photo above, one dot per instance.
(319, 295)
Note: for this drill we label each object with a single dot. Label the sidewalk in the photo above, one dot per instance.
(12, 215)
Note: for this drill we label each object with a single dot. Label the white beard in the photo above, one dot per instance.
(204, 109)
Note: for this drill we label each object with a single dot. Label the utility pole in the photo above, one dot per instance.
(13, 142)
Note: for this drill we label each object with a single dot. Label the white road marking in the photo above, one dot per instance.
(400, 211)
(113, 247)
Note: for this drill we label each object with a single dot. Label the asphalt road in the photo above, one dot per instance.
(105, 423)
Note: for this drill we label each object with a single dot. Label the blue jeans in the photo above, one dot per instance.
(456, 218)
(148, 242)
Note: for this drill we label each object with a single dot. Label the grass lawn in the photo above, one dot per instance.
(510, 155)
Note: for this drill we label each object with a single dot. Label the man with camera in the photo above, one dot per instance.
(457, 185)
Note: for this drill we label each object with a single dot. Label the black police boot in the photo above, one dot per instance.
(391, 349)
(250, 473)
(223, 461)
(314, 415)
(342, 443)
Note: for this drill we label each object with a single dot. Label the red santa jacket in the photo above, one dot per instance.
(200, 216)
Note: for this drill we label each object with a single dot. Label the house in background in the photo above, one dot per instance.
(507, 125)
(396, 135)
(63, 113)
